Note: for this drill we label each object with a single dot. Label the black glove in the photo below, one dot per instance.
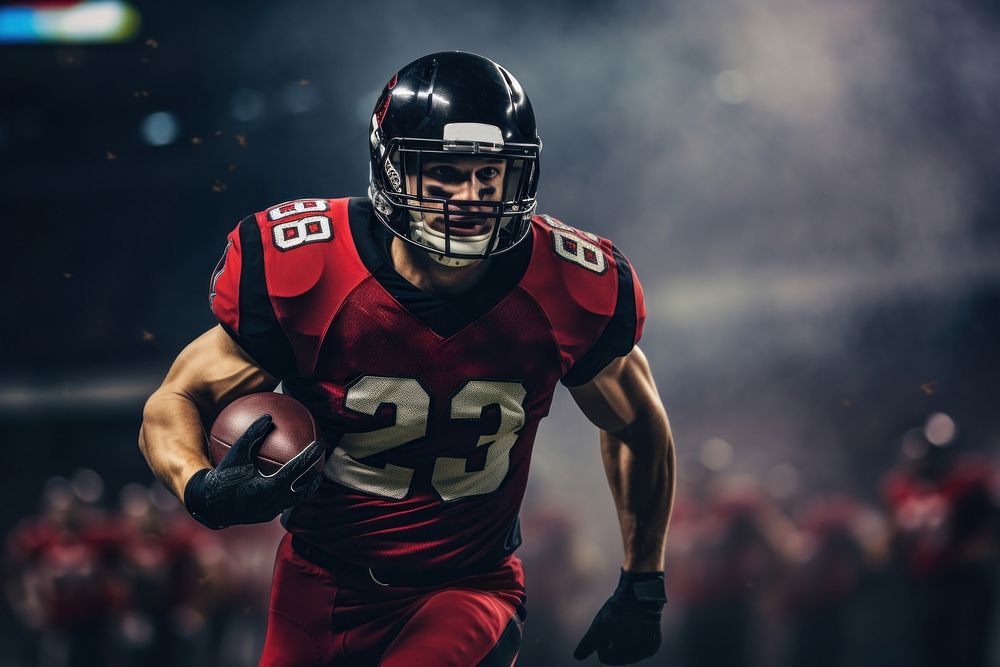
(236, 492)
(627, 627)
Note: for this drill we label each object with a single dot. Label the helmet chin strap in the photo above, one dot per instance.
(470, 245)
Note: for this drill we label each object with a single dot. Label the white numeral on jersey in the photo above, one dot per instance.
(412, 403)
(295, 207)
(576, 249)
(552, 222)
(450, 479)
(294, 233)
(366, 396)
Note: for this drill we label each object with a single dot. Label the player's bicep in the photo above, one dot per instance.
(620, 392)
(213, 370)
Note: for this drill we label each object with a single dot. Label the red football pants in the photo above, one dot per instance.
(318, 618)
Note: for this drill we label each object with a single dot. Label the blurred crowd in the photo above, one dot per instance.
(904, 576)
(142, 584)
(829, 581)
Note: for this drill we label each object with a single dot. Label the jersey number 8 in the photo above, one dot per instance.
(294, 233)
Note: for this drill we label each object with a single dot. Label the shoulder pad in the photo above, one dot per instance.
(580, 263)
(297, 238)
(286, 271)
(589, 293)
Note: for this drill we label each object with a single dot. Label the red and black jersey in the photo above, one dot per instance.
(430, 404)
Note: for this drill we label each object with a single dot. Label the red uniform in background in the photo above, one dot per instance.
(944, 520)
(945, 517)
(68, 574)
(430, 407)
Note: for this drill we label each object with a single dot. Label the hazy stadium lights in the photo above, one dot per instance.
(247, 104)
(87, 485)
(782, 480)
(135, 628)
(299, 98)
(731, 86)
(914, 447)
(160, 128)
(715, 454)
(940, 429)
(58, 493)
(162, 499)
(134, 500)
(84, 22)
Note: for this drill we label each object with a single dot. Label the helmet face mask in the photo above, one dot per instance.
(442, 126)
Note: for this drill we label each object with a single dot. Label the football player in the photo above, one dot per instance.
(425, 327)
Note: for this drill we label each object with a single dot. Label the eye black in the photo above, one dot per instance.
(446, 174)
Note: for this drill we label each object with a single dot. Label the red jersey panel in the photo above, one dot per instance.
(430, 405)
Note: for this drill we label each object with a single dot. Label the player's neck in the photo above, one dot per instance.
(429, 276)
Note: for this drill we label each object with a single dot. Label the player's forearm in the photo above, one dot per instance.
(640, 464)
(208, 374)
(172, 438)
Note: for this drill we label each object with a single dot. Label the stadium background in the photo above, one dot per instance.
(807, 189)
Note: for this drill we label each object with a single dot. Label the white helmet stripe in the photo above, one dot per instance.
(473, 132)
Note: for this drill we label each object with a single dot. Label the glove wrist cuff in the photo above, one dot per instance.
(644, 586)
(195, 500)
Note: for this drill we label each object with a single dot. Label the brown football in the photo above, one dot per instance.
(294, 429)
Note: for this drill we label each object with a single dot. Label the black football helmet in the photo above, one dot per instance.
(444, 106)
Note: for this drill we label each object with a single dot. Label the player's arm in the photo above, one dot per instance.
(638, 452)
(640, 462)
(248, 352)
(209, 373)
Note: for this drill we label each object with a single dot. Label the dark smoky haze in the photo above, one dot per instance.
(807, 189)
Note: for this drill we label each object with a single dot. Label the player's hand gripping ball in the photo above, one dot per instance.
(268, 456)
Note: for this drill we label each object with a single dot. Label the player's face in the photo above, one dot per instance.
(462, 179)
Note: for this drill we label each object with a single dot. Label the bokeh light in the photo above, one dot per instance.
(160, 128)
(716, 454)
